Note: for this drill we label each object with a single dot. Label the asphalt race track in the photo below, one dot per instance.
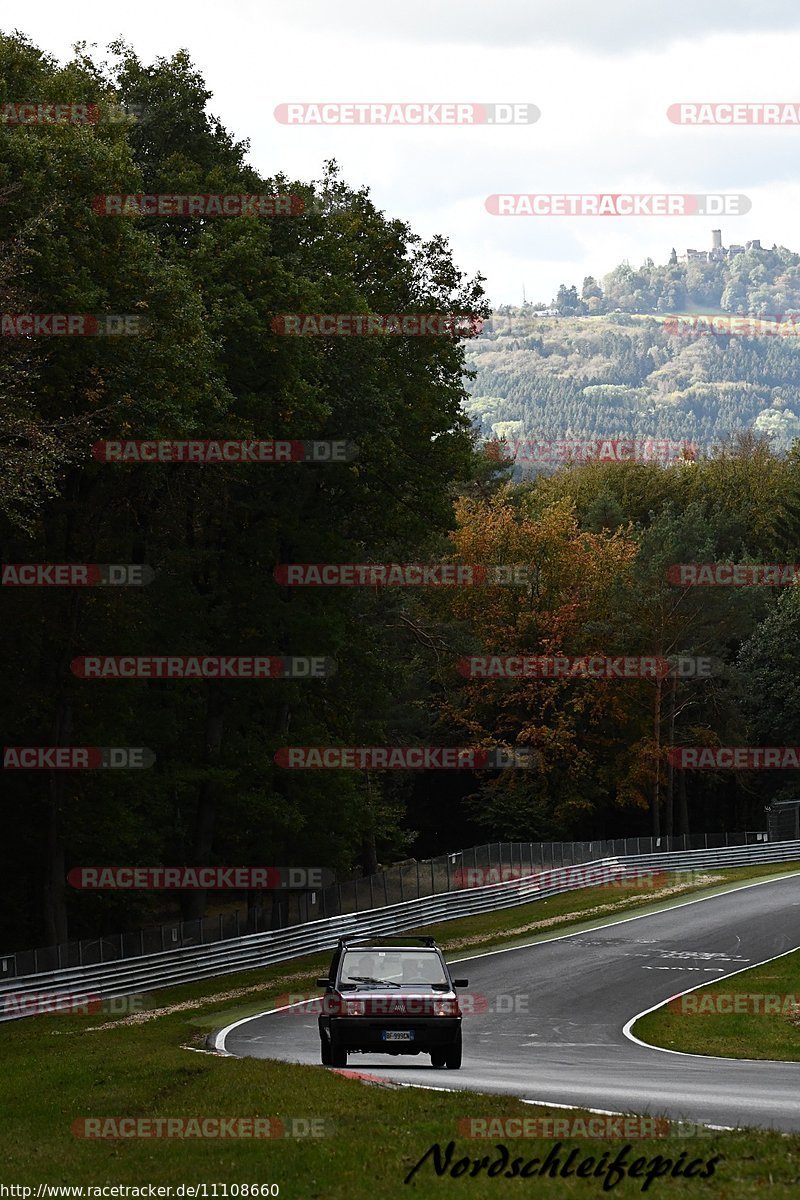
(574, 996)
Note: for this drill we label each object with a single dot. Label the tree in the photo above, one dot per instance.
(212, 367)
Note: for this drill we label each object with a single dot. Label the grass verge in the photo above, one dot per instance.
(755, 1014)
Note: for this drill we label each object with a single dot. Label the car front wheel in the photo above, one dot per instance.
(452, 1056)
(338, 1056)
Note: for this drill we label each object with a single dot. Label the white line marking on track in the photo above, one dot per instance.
(628, 1028)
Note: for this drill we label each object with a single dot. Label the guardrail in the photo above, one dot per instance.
(32, 994)
(402, 881)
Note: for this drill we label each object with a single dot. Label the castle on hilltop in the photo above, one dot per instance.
(718, 251)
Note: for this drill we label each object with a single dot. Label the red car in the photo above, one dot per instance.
(386, 999)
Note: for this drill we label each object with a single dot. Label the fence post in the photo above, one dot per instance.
(433, 880)
(447, 867)
(371, 895)
(418, 890)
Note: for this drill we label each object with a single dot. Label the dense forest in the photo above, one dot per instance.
(596, 541)
(609, 365)
(621, 376)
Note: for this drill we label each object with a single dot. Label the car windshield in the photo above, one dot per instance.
(398, 968)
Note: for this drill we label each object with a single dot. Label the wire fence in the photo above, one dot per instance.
(493, 862)
(84, 988)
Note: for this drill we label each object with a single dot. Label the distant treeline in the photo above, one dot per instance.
(625, 376)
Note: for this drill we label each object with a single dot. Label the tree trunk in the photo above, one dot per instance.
(57, 647)
(54, 898)
(369, 854)
(669, 807)
(656, 796)
(683, 808)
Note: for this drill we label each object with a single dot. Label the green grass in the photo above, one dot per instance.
(57, 1069)
(752, 1034)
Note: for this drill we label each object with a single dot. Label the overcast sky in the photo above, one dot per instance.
(603, 77)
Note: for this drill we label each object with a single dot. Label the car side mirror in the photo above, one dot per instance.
(460, 983)
(323, 983)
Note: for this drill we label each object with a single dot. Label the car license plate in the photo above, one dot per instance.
(398, 1035)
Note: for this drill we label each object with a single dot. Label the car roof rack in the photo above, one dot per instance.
(357, 937)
